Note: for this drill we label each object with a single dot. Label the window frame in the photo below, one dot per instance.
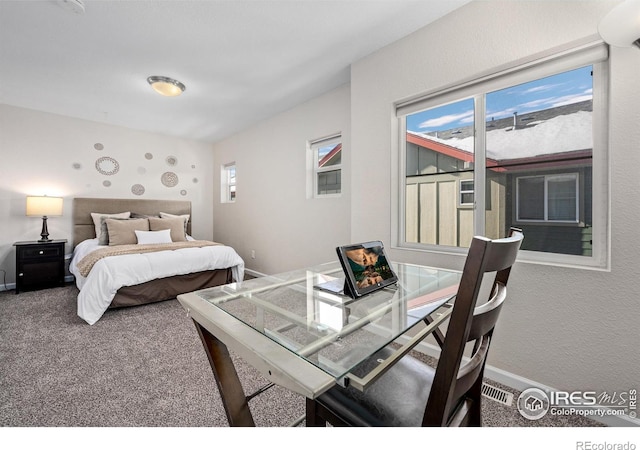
(462, 191)
(545, 206)
(313, 170)
(226, 184)
(586, 52)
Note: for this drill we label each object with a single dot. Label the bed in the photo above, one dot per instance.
(119, 273)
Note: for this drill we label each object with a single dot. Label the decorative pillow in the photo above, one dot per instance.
(176, 225)
(153, 237)
(104, 231)
(97, 222)
(171, 216)
(123, 232)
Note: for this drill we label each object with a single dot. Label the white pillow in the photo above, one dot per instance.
(97, 219)
(154, 237)
(185, 217)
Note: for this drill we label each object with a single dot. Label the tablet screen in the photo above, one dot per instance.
(366, 267)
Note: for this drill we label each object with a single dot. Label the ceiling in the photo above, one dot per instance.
(241, 61)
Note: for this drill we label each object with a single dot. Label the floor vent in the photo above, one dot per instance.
(497, 394)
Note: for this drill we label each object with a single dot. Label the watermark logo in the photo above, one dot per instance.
(535, 403)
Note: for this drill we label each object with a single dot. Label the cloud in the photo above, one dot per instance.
(444, 120)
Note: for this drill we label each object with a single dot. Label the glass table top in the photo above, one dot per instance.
(332, 331)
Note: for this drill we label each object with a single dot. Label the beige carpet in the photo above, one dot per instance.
(136, 367)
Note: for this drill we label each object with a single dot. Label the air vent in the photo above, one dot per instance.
(497, 394)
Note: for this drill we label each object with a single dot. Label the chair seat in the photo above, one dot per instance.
(396, 399)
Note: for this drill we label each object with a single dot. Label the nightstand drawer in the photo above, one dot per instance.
(41, 252)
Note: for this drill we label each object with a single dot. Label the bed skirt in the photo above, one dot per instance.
(170, 287)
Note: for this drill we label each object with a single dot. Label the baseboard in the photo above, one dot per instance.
(7, 287)
(520, 383)
(12, 286)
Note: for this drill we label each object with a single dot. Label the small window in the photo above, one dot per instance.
(228, 183)
(466, 192)
(326, 154)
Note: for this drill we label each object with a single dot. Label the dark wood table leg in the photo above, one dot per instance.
(233, 397)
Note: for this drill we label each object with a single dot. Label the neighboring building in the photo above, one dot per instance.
(538, 177)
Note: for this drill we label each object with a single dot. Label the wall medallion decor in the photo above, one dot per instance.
(169, 179)
(172, 160)
(137, 189)
(76, 166)
(107, 165)
(98, 146)
(106, 183)
(195, 180)
(183, 192)
(148, 155)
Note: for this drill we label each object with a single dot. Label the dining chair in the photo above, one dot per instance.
(412, 393)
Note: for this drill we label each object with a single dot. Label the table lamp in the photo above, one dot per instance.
(44, 206)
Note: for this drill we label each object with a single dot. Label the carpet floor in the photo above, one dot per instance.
(137, 367)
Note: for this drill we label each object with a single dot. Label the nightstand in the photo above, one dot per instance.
(39, 265)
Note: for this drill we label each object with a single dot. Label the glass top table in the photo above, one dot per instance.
(308, 339)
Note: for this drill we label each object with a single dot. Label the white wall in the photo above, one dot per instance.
(563, 327)
(38, 152)
(272, 214)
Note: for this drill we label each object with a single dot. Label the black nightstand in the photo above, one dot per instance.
(39, 265)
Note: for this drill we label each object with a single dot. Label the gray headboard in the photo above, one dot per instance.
(83, 207)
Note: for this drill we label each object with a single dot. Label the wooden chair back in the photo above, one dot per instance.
(455, 394)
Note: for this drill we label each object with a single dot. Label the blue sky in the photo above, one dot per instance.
(562, 89)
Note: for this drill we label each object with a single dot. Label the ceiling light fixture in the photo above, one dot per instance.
(166, 86)
(621, 26)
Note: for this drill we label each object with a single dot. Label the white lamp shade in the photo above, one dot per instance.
(44, 206)
(621, 26)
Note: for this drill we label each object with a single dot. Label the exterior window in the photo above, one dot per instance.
(516, 149)
(466, 192)
(552, 198)
(326, 154)
(228, 183)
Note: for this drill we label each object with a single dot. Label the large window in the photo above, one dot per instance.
(525, 147)
(326, 158)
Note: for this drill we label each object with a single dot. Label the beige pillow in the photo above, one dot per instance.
(123, 232)
(171, 216)
(176, 225)
(97, 219)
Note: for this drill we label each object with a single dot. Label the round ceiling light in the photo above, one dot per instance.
(166, 86)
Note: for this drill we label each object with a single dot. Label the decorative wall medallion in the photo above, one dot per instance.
(148, 155)
(195, 180)
(98, 146)
(169, 179)
(76, 166)
(193, 166)
(142, 170)
(107, 165)
(106, 183)
(183, 192)
(137, 189)
(172, 160)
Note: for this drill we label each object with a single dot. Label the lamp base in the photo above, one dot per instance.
(45, 231)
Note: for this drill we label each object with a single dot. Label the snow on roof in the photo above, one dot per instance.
(559, 134)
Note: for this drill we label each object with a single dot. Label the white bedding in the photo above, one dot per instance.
(111, 273)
